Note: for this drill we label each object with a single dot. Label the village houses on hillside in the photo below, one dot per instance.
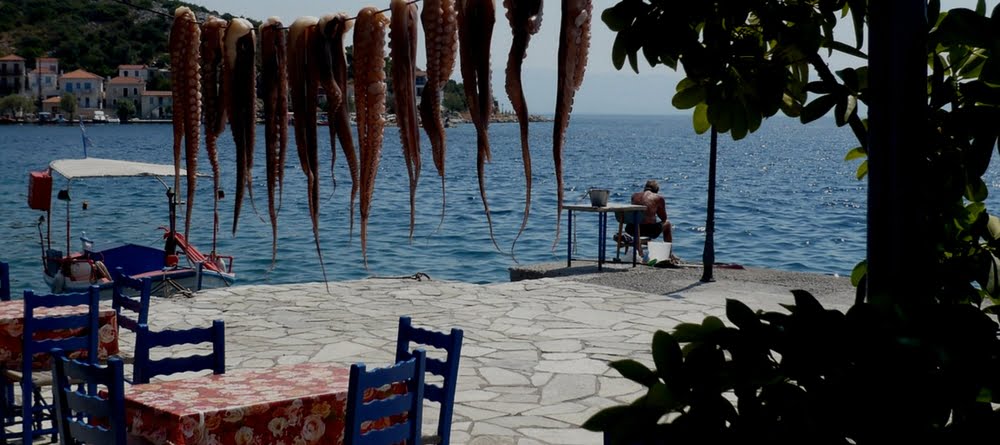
(45, 83)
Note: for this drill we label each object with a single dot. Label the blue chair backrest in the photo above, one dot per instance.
(4, 281)
(451, 343)
(144, 368)
(80, 408)
(86, 323)
(410, 373)
(131, 294)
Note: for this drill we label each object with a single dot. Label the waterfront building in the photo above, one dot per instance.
(13, 75)
(87, 87)
(126, 88)
(157, 104)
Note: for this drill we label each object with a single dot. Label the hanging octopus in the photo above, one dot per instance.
(475, 32)
(525, 17)
(574, 43)
(441, 41)
(239, 83)
(185, 39)
(403, 49)
(333, 27)
(303, 82)
(369, 96)
(274, 85)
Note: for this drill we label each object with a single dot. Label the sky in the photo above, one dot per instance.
(605, 90)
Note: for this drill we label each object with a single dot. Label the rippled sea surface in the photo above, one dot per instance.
(786, 199)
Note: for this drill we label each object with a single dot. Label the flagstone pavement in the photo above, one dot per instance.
(534, 362)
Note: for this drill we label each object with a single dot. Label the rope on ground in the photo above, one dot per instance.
(419, 276)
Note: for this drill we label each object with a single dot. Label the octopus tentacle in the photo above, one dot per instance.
(185, 40)
(369, 96)
(241, 95)
(475, 31)
(212, 107)
(403, 47)
(178, 57)
(274, 84)
(441, 42)
(333, 28)
(525, 17)
(574, 43)
(303, 80)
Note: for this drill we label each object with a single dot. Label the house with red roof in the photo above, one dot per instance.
(13, 75)
(138, 71)
(125, 88)
(44, 79)
(157, 104)
(87, 87)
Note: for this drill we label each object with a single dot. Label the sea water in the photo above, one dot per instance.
(785, 199)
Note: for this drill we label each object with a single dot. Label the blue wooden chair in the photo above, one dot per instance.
(447, 369)
(130, 299)
(4, 281)
(79, 405)
(410, 372)
(34, 408)
(146, 368)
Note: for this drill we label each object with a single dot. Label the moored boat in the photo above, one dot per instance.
(177, 267)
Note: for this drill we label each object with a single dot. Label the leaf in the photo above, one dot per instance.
(741, 315)
(618, 52)
(689, 332)
(975, 190)
(617, 17)
(855, 153)
(840, 111)
(805, 302)
(858, 11)
(666, 354)
(862, 170)
(817, 108)
(603, 419)
(712, 323)
(845, 48)
(635, 371)
(661, 398)
(981, 7)
(739, 121)
(700, 119)
(633, 60)
(993, 226)
(689, 97)
(859, 272)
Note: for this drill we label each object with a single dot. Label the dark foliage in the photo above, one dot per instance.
(96, 35)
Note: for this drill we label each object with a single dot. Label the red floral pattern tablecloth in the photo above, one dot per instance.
(12, 330)
(285, 405)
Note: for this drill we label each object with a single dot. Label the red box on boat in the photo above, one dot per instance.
(39, 190)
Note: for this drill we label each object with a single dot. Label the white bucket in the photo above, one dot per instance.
(659, 251)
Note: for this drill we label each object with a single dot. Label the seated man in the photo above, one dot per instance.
(655, 207)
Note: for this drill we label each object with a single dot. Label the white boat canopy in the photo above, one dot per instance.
(109, 168)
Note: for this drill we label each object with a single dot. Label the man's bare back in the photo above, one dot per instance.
(655, 206)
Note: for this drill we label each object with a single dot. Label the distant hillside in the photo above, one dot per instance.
(96, 35)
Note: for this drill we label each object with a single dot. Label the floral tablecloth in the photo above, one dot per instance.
(285, 405)
(12, 330)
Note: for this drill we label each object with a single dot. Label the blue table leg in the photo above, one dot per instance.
(635, 240)
(602, 236)
(569, 238)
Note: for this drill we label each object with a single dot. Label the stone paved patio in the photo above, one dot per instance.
(534, 360)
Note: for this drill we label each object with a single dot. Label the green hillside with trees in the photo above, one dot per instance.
(96, 35)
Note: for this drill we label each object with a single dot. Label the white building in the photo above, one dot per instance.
(138, 71)
(44, 79)
(125, 88)
(157, 104)
(87, 87)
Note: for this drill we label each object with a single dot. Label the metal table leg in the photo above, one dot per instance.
(569, 238)
(602, 236)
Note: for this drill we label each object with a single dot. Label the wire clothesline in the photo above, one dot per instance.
(170, 16)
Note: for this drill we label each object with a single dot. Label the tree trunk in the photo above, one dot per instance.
(708, 255)
(899, 255)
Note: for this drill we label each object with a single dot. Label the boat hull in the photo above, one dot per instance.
(79, 271)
